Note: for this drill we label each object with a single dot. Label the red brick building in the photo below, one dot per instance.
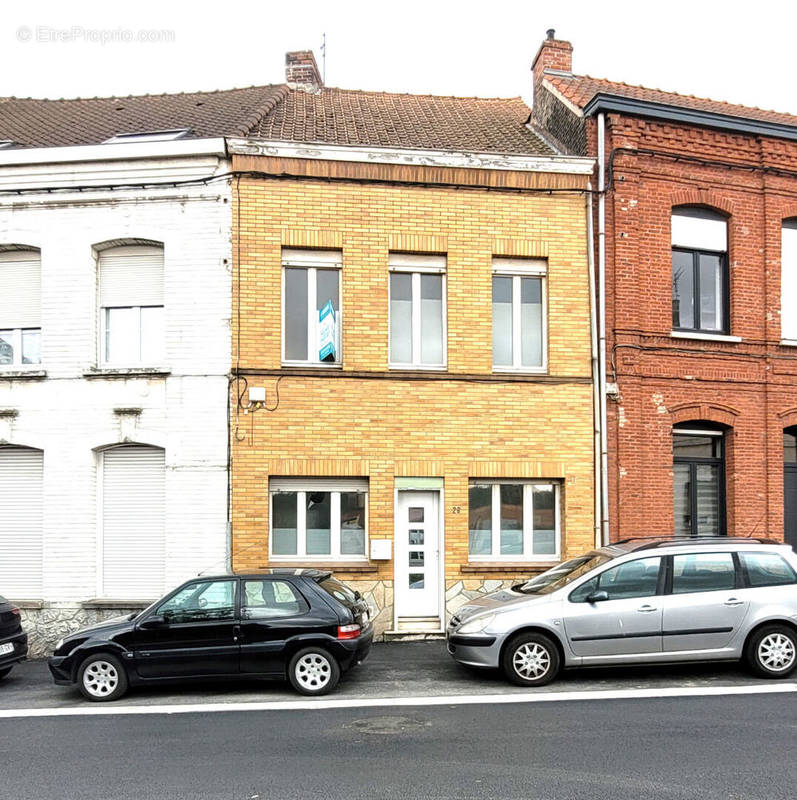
(696, 237)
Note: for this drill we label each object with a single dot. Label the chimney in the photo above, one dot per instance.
(301, 71)
(553, 54)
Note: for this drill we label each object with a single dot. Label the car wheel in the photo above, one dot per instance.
(530, 659)
(102, 677)
(772, 652)
(313, 671)
(4, 672)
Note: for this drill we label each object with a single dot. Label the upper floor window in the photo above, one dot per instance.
(519, 323)
(788, 284)
(131, 306)
(417, 310)
(311, 329)
(20, 307)
(699, 271)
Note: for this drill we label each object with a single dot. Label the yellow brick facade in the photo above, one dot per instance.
(363, 420)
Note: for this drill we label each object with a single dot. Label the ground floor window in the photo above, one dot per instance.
(790, 486)
(132, 493)
(698, 481)
(318, 519)
(513, 520)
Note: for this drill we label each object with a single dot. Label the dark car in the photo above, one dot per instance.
(13, 640)
(301, 624)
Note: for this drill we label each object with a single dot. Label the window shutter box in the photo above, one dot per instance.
(133, 529)
(20, 298)
(131, 276)
(21, 527)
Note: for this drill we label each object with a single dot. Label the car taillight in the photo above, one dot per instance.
(348, 631)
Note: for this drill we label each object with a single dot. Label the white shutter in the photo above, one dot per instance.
(133, 530)
(318, 485)
(20, 289)
(312, 258)
(21, 523)
(131, 276)
(697, 229)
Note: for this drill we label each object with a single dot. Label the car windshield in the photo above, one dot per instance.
(562, 574)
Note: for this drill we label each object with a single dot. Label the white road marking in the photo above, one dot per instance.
(115, 709)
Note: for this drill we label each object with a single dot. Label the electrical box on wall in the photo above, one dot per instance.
(257, 394)
(381, 549)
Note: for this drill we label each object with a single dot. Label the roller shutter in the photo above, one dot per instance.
(20, 295)
(131, 276)
(21, 523)
(133, 530)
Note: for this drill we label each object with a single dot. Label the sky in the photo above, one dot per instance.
(705, 48)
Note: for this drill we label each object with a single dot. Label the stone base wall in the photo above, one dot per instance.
(46, 625)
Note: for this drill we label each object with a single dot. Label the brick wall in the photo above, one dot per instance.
(364, 421)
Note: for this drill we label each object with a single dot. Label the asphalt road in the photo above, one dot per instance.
(710, 748)
(396, 669)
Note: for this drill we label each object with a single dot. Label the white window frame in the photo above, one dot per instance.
(417, 265)
(16, 345)
(528, 522)
(302, 486)
(788, 282)
(103, 350)
(517, 268)
(312, 261)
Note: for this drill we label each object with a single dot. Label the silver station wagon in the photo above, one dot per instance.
(640, 601)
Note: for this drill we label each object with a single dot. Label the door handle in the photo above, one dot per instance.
(236, 632)
(733, 601)
(646, 608)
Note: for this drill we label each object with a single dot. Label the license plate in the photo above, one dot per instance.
(6, 648)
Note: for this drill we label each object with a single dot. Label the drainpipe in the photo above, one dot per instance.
(596, 403)
(604, 466)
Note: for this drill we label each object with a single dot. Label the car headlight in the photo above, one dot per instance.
(477, 625)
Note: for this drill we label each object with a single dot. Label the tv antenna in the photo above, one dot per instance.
(324, 58)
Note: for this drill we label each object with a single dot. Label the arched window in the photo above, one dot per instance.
(699, 271)
(788, 283)
(21, 531)
(132, 511)
(131, 305)
(698, 479)
(20, 306)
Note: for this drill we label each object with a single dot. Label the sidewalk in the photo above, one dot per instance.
(395, 669)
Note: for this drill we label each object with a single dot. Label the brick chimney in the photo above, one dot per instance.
(301, 71)
(553, 54)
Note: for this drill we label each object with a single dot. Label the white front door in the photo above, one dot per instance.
(417, 565)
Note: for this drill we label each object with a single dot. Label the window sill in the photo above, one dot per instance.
(508, 566)
(340, 566)
(788, 342)
(28, 605)
(312, 365)
(520, 370)
(127, 372)
(417, 367)
(707, 337)
(22, 374)
(99, 602)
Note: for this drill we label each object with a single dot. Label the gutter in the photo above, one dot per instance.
(604, 449)
(606, 103)
(596, 403)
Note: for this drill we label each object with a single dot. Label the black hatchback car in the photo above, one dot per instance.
(13, 640)
(301, 624)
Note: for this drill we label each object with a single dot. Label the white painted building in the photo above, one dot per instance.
(115, 347)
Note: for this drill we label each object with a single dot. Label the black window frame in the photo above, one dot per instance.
(236, 600)
(694, 462)
(739, 581)
(304, 603)
(745, 573)
(661, 580)
(726, 291)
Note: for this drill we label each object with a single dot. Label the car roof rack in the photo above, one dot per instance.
(678, 541)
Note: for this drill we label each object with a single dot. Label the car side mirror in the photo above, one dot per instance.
(155, 621)
(598, 597)
(357, 595)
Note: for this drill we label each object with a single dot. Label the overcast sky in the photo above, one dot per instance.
(738, 51)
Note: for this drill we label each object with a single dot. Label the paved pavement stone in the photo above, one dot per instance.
(394, 669)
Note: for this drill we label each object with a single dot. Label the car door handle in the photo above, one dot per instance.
(733, 601)
(236, 632)
(646, 608)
